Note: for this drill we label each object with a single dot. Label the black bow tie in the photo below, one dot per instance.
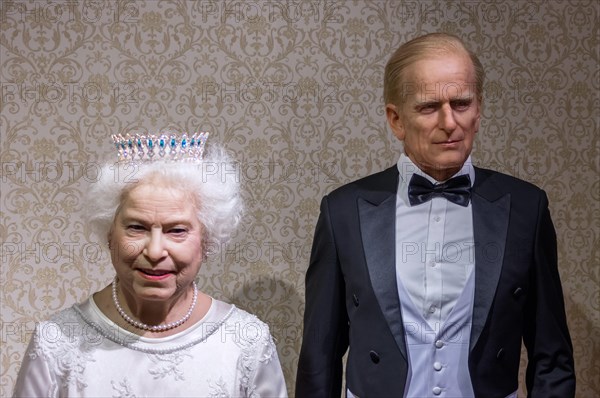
(456, 190)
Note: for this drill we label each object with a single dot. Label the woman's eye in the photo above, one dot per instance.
(178, 231)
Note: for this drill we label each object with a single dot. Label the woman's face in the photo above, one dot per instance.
(156, 244)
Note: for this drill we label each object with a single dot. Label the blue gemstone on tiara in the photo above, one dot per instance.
(182, 147)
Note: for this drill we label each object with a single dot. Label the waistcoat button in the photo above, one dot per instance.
(436, 390)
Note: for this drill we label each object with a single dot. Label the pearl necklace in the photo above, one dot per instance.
(155, 328)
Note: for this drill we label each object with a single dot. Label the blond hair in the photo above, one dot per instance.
(417, 49)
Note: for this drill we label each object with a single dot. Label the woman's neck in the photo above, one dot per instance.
(152, 312)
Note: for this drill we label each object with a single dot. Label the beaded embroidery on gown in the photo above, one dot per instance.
(81, 353)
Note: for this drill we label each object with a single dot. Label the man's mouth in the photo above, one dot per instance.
(448, 142)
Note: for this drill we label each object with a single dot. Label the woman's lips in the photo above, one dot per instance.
(154, 274)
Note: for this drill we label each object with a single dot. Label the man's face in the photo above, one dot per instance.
(439, 114)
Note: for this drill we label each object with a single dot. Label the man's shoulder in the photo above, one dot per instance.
(383, 181)
(486, 178)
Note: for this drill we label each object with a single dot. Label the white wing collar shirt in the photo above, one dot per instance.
(434, 266)
(434, 246)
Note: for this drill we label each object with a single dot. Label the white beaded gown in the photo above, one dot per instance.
(81, 353)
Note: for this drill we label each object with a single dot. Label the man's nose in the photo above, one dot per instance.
(447, 122)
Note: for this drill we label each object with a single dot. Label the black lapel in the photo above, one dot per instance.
(378, 232)
(491, 210)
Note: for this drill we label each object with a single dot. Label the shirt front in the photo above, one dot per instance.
(434, 246)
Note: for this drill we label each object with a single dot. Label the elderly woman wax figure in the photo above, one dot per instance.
(151, 333)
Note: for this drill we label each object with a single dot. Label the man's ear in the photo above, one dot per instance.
(394, 120)
(478, 120)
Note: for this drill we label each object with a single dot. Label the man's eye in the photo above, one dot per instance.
(461, 105)
(427, 108)
(135, 227)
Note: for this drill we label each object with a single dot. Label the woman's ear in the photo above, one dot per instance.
(109, 238)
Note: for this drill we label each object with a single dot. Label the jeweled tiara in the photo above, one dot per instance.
(167, 146)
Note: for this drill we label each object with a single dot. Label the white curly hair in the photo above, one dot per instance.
(213, 183)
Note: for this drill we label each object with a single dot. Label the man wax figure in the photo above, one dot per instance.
(432, 272)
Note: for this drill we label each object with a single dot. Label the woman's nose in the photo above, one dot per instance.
(155, 246)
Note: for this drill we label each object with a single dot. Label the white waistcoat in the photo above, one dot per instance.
(438, 354)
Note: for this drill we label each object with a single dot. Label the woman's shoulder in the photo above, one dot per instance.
(238, 314)
(250, 334)
(65, 319)
(63, 334)
(247, 324)
(249, 327)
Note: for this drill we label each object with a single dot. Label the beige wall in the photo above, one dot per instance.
(294, 91)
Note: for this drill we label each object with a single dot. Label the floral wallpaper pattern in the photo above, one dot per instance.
(293, 89)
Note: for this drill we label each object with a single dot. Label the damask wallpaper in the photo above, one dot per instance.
(293, 89)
